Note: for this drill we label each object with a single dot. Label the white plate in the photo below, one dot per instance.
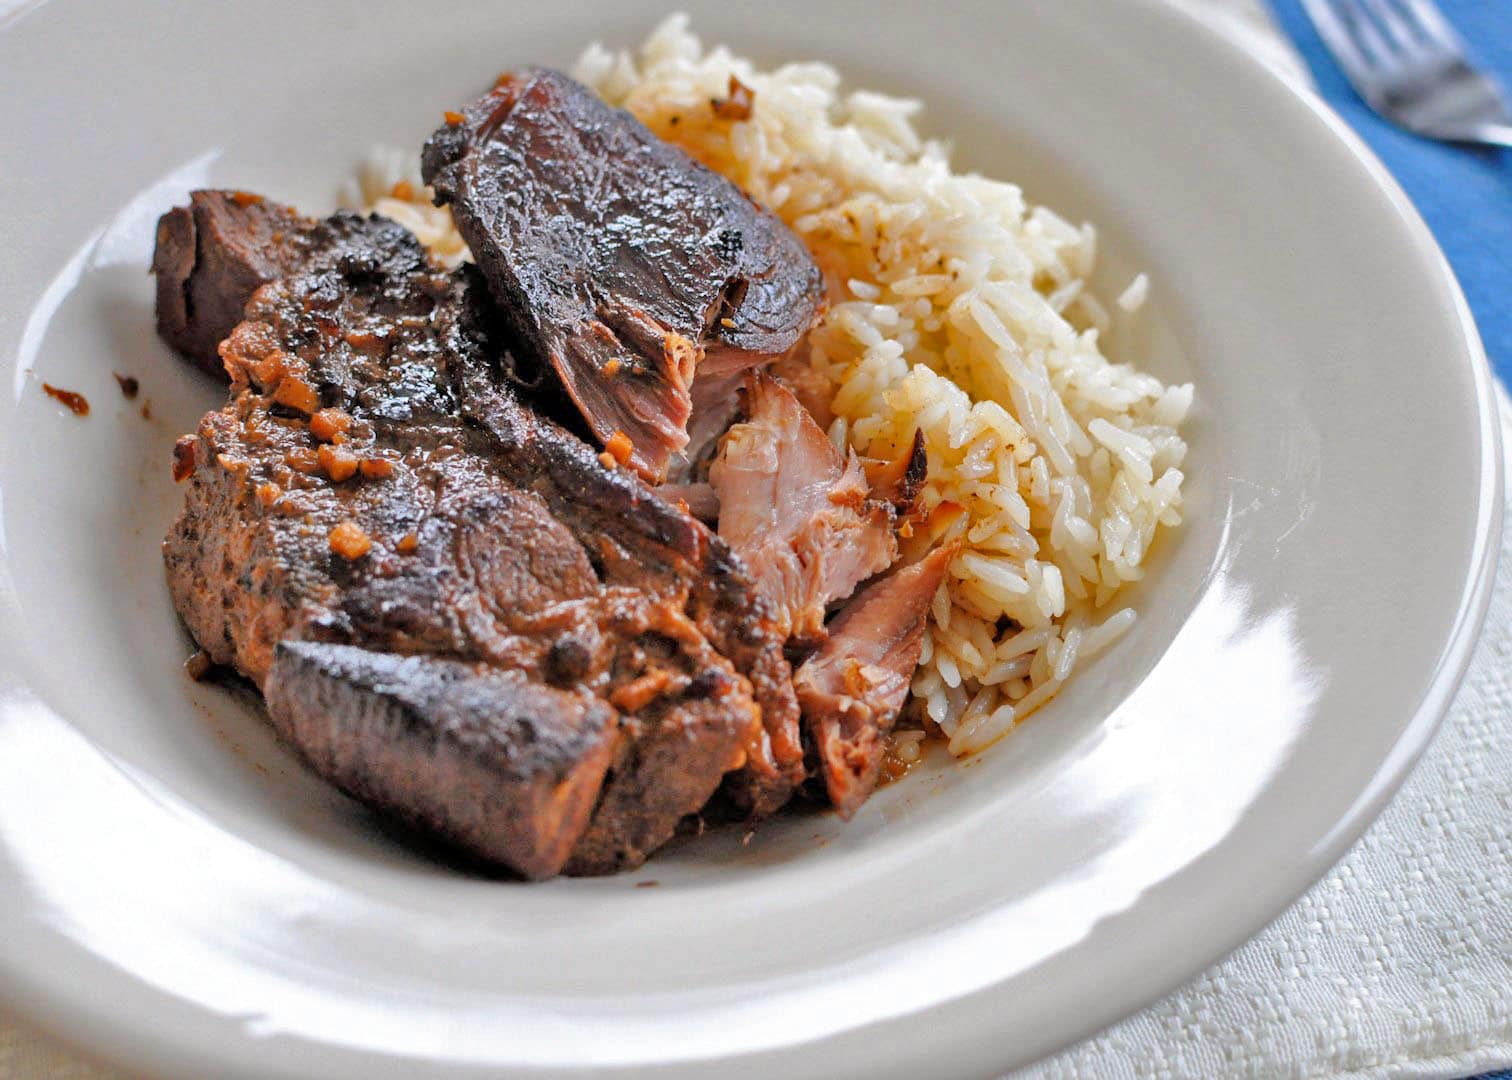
(178, 894)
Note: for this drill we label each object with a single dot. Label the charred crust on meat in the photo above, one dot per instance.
(496, 557)
(645, 248)
(183, 458)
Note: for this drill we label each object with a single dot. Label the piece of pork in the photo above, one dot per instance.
(852, 689)
(715, 404)
(507, 769)
(374, 493)
(698, 498)
(812, 389)
(799, 513)
(622, 264)
(211, 256)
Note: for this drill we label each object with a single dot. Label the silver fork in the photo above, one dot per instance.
(1410, 66)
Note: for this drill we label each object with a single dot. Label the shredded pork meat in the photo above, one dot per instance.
(800, 515)
(852, 689)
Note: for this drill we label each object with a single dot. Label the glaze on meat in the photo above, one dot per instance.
(477, 628)
(624, 266)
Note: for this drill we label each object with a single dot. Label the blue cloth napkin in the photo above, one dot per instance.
(1464, 193)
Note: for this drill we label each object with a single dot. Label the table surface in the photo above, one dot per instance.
(25, 1055)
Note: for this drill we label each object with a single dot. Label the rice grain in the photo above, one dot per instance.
(956, 309)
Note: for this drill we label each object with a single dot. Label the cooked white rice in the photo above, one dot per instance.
(957, 309)
(389, 183)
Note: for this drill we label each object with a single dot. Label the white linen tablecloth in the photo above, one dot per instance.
(1397, 964)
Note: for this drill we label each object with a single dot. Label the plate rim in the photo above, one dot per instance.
(1453, 660)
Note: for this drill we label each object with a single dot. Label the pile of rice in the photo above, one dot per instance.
(958, 310)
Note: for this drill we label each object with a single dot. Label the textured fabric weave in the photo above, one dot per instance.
(1397, 964)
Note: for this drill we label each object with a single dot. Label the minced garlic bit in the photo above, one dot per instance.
(330, 425)
(269, 371)
(640, 692)
(619, 447)
(302, 459)
(338, 464)
(349, 541)
(297, 394)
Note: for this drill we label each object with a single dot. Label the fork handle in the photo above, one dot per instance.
(1499, 134)
(1488, 134)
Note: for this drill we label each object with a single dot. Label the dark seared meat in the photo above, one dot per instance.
(852, 689)
(373, 484)
(641, 539)
(211, 256)
(623, 265)
(508, 769)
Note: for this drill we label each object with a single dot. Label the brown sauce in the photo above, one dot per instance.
(77, 403)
